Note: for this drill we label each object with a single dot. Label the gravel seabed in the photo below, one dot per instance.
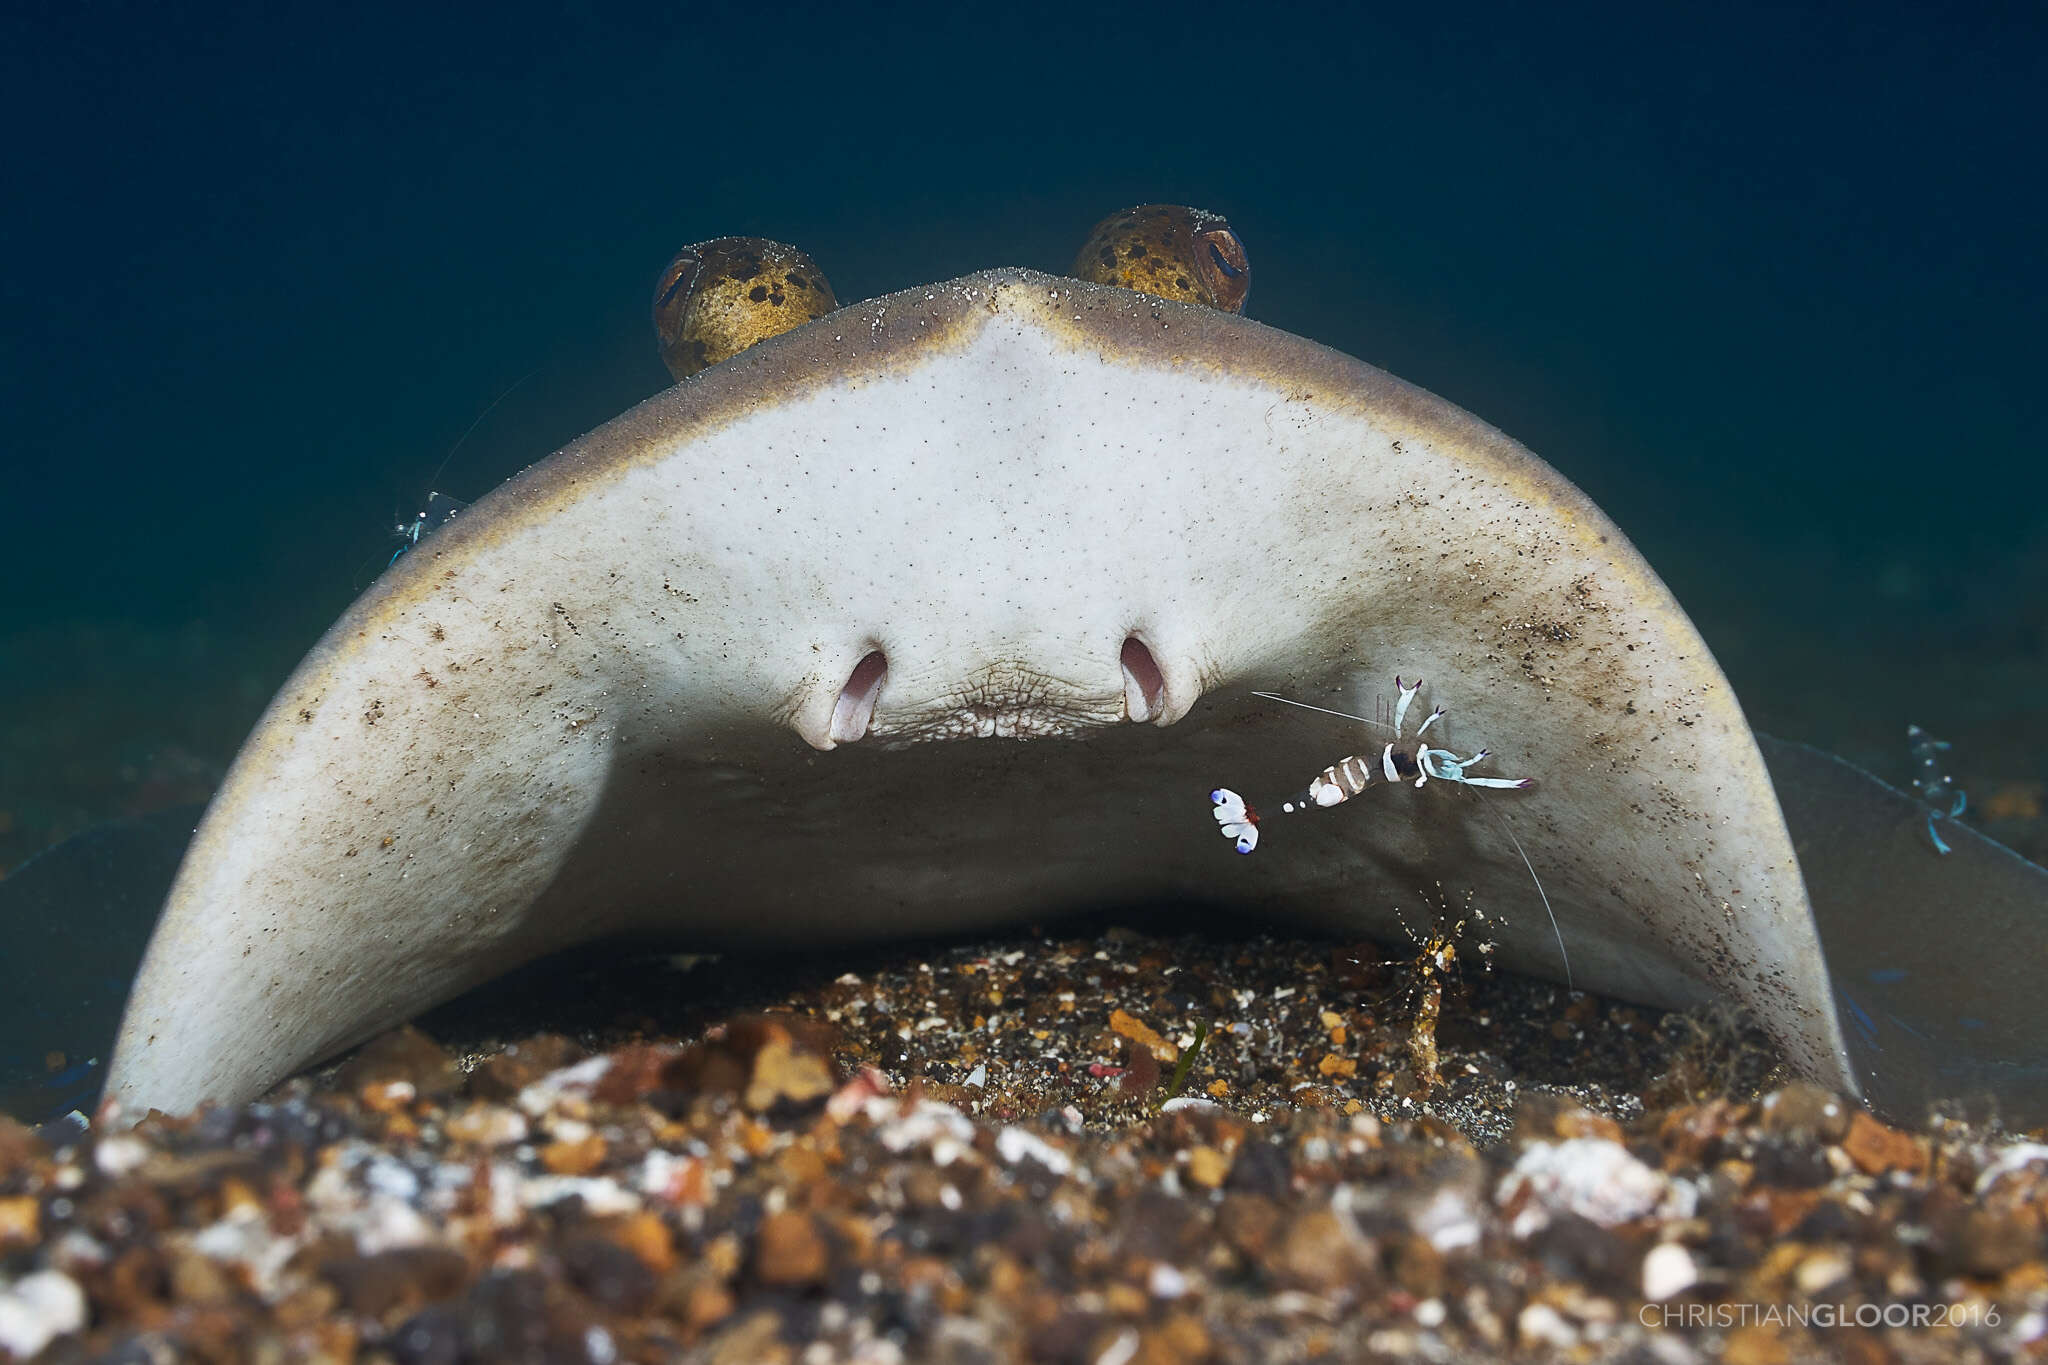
(992, 1151)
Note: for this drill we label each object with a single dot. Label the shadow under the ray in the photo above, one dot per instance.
(1936, 959)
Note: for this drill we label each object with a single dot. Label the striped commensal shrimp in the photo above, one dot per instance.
(1347, 777)
(1401, 760)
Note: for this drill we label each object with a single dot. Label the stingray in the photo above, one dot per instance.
(947, 610)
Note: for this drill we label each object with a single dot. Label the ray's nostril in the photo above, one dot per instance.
(856, 704)
(1144, 684)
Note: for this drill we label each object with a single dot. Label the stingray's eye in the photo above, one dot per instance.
(1226, 252)
(1224, 267)
(1172, 251)
(719, 297)
(675, 281)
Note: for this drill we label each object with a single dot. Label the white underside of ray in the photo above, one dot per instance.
(554, 721)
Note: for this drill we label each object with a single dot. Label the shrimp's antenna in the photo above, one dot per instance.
(1509, 830)
(435, 477)
(1341, 715)
(1506, 828)
(471, 431)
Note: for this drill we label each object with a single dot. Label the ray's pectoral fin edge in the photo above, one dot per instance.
(1936, 960)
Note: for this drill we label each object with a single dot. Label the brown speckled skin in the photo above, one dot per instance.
(1170, 251)
(719, 297)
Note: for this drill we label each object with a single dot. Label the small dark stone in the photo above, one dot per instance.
(1416, 1265)
(1067, 1339)
(936, 1232)
(1725, 1244)
(144, 1348)
(373, 1286)
(1988, 1244)
(1791, 1162)
(1801, 1110)
(1261, 1168)
(797, 1317)
(1251, 1223)
(1141, 1071)
(668, 1102)
(1829, 1222)
(896, 1313)
(1159, 1227)
(1030, 1240)
(1575, 1248)
(612, 1276)
(988, 1225)
(432, 1336)
(505, 1317)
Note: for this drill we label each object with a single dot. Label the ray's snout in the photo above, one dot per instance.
(1006, 694)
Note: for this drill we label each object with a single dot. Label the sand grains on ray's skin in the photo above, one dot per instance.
(946, 1158)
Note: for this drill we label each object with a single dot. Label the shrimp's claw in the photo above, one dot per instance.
(1237, 820)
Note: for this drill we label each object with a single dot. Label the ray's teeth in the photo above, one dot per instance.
(856, 704)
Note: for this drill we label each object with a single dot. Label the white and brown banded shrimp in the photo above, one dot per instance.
(1401, 759)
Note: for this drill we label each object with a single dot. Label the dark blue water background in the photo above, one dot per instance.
(1768, 282)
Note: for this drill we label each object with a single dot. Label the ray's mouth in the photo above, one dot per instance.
(1006, 701)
